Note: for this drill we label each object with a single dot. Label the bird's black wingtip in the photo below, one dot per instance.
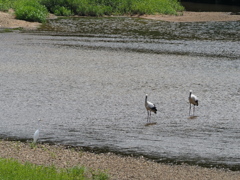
(155, 110)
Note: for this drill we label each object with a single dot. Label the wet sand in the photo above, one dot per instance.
(118, 167)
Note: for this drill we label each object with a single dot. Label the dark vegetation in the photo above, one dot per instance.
(37, 10)
(229, 2)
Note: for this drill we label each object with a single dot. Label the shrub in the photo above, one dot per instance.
(107, 7)
(35, 10)
(5, 5)
(156, 6)
(30, 10)
(62, 11)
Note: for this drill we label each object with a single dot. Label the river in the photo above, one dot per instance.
(86, 78)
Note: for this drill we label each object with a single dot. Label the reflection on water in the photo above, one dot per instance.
(192, 117)
(88, 81)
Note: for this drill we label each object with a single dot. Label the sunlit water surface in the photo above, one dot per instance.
(88, 78)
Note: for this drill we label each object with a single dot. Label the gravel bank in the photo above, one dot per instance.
(117, 167)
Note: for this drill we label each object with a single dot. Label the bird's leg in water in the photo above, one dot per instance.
(190, 109)
(147, 115)
(193, 109)
(150, 117)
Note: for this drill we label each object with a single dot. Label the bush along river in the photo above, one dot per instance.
(86, 78)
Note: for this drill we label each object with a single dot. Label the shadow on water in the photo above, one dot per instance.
(193, 117)
(150, 123)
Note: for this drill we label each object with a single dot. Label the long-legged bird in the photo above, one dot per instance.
(150, 108)
(192, 100)
(36, 134)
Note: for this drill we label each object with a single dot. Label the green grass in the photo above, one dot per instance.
(9, 30)
(13, 170)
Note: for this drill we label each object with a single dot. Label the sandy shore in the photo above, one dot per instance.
(7, 19)
(188, 16)
(118, 167)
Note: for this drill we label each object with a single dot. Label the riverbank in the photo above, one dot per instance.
(7, 19)
(188, 16)
(118, 167)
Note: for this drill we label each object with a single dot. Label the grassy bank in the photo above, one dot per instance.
(108, 7)
(37, 10)
(12, 169)
(29, 10)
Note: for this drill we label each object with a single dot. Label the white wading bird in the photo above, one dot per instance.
(192, 100)
(36, 134)
(150, 107)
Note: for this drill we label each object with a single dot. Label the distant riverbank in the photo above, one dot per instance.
(118, 167)
(7, 19)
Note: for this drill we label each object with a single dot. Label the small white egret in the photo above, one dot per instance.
(150, 108)
(36, 134)
(192, 100)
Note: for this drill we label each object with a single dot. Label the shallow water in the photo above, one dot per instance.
(139, 29)
(89, 89)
